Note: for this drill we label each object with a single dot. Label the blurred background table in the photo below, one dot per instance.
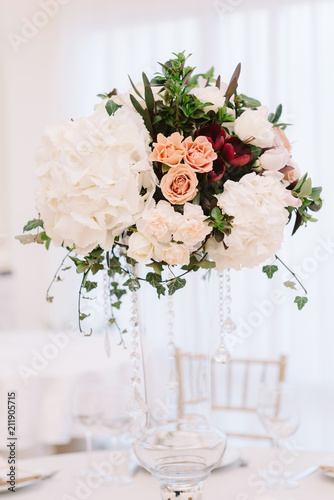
(44, 368)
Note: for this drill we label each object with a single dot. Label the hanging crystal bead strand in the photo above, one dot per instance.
(136, 406)
(229, 325)
(222, 354)
(106, 306)
(172, 380)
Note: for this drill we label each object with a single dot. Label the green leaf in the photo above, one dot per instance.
(306, 188)
(49, 298)
(215, 213)
(300, 182)
(273, 118)
(112, 107)
(290, 284)
(32, 224)
(255, 151)
(133, 284)
(136, 105)
(130, 261)
(249, 101)
(96, 253)
(114, 266)
(117, 304)
(83, 316)
(90, 285)
(135, 89)
(175, 285)
(157, 266)
(153, 279)
(82, 267)
(300, 301)
(232, 86)
(197, 199)
(95, 268)
(316, 192)
(149, 98)
(161, 290)
(270, 270)
(46, 239)
(112, 321)
(206, 264)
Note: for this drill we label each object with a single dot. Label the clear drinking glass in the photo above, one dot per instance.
(278, 411)
(87, 410)
(118, 425)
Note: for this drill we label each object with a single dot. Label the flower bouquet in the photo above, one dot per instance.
(181, 171)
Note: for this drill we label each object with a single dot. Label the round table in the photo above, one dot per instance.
(230, 483)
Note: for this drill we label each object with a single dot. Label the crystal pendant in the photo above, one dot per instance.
(229, 326)
(173, 382)
(222, 355)
(136, 406)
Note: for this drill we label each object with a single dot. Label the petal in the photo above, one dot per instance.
(240, 161)
(228, 152)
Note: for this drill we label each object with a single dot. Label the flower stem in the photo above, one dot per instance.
(293, 274)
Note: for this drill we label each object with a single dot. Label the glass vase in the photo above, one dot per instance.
(179, 444)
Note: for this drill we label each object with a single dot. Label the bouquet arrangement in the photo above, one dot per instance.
(181, 171)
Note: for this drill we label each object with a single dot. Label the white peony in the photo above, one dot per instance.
(140, 248)
(173, 254)
(257, 203)
(94, 178)
(193, 228)
(214, 95)
(253, 126)
(159, 221)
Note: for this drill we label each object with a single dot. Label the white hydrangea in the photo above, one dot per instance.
(257, 203)
(94, 178)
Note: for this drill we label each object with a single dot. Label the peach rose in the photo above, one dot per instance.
(168, 150)
(199, 154)
(283, 138)
(179, 184)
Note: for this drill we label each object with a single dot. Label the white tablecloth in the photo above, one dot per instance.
(43, 368)
(238, 483)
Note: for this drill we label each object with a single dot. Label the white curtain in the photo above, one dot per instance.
(82, 47)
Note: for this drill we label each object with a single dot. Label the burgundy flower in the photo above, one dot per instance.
(232, 149)
(235, 152)
(218, 170)
(215, 135)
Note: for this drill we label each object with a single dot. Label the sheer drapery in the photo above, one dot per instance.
(85, 47)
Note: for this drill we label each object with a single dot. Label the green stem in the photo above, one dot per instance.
(293, 274)
(56, 275)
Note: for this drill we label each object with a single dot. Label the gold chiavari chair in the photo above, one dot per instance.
(245, 403)
(188, 367)
(191, 378)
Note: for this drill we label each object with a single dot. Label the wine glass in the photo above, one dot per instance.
(87, 410)
(278, 411)
(117, 423)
